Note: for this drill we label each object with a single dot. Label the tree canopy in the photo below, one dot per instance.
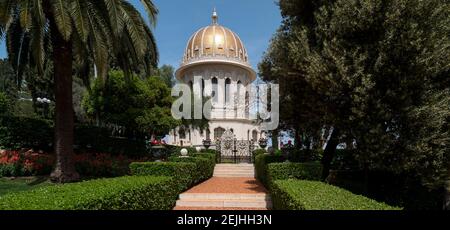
(374, 70)
(136, 104)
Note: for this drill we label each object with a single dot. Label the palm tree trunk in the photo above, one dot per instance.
(64, 170)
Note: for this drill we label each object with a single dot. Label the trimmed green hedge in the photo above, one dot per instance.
(314, 195)
(204, 162)
(181, 172)
(301, 171)
(122, 193)
(261, 162)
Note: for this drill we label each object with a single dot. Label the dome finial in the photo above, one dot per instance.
(215, 17)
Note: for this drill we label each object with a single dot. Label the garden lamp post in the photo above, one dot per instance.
(45, 102)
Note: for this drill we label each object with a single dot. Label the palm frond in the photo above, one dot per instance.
(62, 18)
(113, 8)
(25, 15)
(78, 12)
(152, 11)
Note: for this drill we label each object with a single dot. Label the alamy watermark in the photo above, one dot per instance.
(202, 99)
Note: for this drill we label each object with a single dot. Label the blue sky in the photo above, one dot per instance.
(255, 21)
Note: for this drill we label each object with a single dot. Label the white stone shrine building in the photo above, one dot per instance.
(218, 56)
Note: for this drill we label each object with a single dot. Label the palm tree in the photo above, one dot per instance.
(73, 34)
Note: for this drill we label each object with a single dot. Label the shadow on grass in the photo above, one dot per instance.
(38, 180)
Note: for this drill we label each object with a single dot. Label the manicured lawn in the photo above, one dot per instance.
(10, 185)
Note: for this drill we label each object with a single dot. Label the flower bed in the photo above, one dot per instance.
(15, 163)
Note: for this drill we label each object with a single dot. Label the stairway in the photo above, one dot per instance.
(234, 170)
(233, 187)
(224, 200)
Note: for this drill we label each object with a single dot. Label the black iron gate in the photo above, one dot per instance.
(231, 150)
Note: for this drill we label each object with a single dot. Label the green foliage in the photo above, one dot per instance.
(314, 195)
(345, 159)
(122, 193)
(301, 171)
(136, 104)
(207, 154)
(261, 162)
(98, 139)
(257, 152)
(205, 165)
(167, 74)
(181, 172)
(8, 83)
(376, 70)
(101, 32)
(4, 104)
(23, 132)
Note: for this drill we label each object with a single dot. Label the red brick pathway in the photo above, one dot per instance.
(229, 185)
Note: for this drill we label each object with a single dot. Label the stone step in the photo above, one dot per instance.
(235, 175)
(233, 169)
(237, 170)
(234, 166)
(225, 196)
(231, 203)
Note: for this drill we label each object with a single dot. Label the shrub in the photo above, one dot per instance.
(15, 163)
(206, 155)
(98, 139)
(181, 172)
(204, 166)
(257, 152)
(34, 133)
(24, 132)
(314, 195)
(302, 171)
(101, 164)
(261, 162)
(122, 193)
(345, 160)
(303, 155)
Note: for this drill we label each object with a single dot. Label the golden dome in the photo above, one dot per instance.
(215, 43)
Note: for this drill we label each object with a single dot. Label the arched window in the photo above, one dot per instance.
(232, 130)
(248, 135)
(255, 135)
(215, 88)
(227, 90)
(218, 132)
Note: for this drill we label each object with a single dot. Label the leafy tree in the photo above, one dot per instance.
(379, 70)
(72, 34)
(139, 105)
(167, 74)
